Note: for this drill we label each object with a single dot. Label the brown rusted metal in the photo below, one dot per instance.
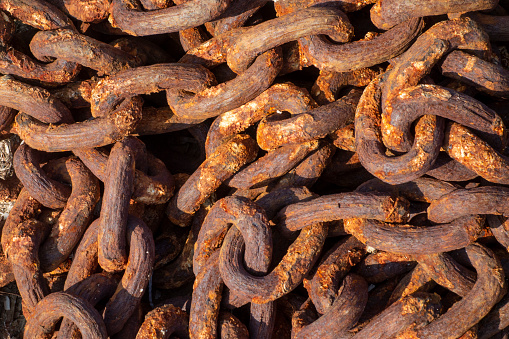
(132, 326)
(163, 321)
(285, 7)
(418, 60)
(310, 125)
(6, 28)
(485, 293)
(88, 10)
(219, 166)
(321, 53)
(253, 226)
(477, 200)
(495, 321)
(180, 271)
(278, 98)
(48, 192)
(118, 188)
(341, 163)
(341, 206)
(378, 297)
(44, 16)
(231, 210)
(445, 271)
(155, 4)
(421, 189)
(35, 101)
(231, 327)
(135, 278)
(372, 152)
(49, 311)
(25, 255)
(21, 247)
(476, 154)
(229, 95)
(499, 228)
(495, 25)
(274, 164)
(88, 134)
(323, 288)
(129, 16)
(380, 266)
(344, 138)
(408, 239)
(271, 33)
(213, 52)
(7, 115)
(169, 243)
(284, 278)
(192, 37)
(110, 91)
(88, 52)
(161, 120)
(416, 309)
(6, 274)
(300, 229)
(39, 14)
(74, 219)
(156, 187)
(387, 13)
(143, 51)
(75, 94)
(206, 300)
(413, 102)
(347, 306)
(93, 289)
(416, 280)
(485, 76)
(19, 64)
(329, 83)
(310, 169)
(447, 169)
(85, 261)
(235, 16)
(278, 198)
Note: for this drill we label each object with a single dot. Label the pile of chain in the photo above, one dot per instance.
(256, 169)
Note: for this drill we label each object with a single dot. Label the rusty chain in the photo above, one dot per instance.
(338, 166)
